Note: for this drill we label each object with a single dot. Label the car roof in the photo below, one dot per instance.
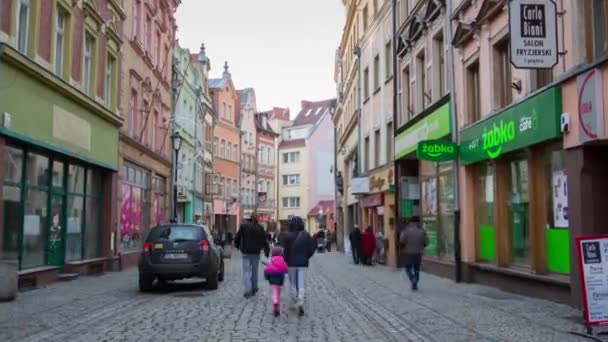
(174, 225)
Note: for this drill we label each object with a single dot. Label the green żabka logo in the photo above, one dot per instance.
(500, 134)
(436, 150)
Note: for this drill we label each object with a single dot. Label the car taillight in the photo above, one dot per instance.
(205, 245)
(147, 247)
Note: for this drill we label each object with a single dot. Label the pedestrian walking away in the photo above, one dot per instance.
(355, 243)
(299, 248)
(275, 274)
(251, 240)
(413, 240)
(368, 246)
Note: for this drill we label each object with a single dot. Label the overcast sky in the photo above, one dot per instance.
(283, 48)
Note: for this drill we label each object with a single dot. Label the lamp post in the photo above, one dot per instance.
(176, 140)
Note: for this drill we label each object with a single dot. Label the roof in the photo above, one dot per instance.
(216, 83)
(327, 206)
(312, 112)
(259, 123)
(293, 143)
(244, 95)
(279, 113)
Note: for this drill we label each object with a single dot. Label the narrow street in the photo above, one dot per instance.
(344, 303)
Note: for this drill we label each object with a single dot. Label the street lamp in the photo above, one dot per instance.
(176, 140)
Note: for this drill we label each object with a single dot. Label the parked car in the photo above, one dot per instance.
(180, 251)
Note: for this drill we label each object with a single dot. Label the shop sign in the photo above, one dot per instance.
(360, 185)
(434, 126)
(515, 128)
(437, 150)
(593, 265)
(533, 33)
(590, 106)
(374, 200)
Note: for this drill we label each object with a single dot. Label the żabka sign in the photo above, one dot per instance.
(437, 150)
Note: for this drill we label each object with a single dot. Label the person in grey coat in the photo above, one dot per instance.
(413, 240)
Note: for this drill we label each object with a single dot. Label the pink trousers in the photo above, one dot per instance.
(276, 293)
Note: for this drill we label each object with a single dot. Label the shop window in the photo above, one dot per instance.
(11, 198)
(35, 223)
(486, 234)
(135, 208)
(14, 165)
(74, 227)
(93, 228)
(58, 174)
(557, 236)
(37, 170)
(518, 210)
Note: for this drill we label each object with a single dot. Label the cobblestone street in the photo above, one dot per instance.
(344, 303)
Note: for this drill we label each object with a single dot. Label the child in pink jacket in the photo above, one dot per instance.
(275, 272)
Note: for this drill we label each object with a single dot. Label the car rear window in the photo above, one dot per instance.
(176, 233)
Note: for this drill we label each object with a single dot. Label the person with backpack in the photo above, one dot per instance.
(250, 240)
(299, 247)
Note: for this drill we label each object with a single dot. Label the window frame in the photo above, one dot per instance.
(18, 28)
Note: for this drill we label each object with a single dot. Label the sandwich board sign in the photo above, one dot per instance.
(593, 265)
(533, 34)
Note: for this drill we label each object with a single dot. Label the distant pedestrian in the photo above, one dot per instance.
(413, 240)
(368, 246)
(250, 240)
(275, 274)
(299, 248)
(380, 249)
(355, 244)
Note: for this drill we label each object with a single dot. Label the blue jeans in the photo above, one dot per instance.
(250, 271)
(297, 275)
(413, 272)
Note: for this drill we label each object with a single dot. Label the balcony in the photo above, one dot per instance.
(268, 204)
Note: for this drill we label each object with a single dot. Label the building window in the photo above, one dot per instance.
(61, 23)
(148, 33)
(223, 149)
(390, 155)
(133, 115)
(228, 151)
(109, 81)
(230, 113)
(155, 133)
(159, 199)
(365, 18)
(291, 157)
(473, 94)
(235, 156)
(215, 146)
(502, 74)
(421, 81)
(23, 23)
(137, 20)
(143, 122)
(377, 148)
(291, 202)
(158, 48)
(291, 179)
(439, 66)
(543, 77)
(518, 213)
(366, 84)
(406, 96)
(597, 30)
(388, 59)
(366, 154)
(88, 58)
(377, 73)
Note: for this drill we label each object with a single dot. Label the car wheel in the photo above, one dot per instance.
(213, 280)
(220, 277)
(145, 282)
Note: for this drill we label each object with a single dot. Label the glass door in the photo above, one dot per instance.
(55, 243)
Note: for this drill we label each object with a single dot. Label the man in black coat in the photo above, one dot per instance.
(355, 244)
(250, 240)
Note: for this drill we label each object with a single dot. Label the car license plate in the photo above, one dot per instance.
(158, 246)
(174, 256)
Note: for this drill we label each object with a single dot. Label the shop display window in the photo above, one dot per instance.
(486, 234)
(518, 209)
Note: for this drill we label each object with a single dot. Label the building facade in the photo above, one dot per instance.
(226, 153)
(247, 108)
(266, 170)
(188, 122)
(59, 149)
(146, 105)
(377, 201)
(346, 123)
(204, 202)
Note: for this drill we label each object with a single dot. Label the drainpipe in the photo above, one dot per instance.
(454, 121)
(196, 112)
(395, 126)
(357, 53)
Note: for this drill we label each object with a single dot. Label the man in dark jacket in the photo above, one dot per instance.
(299, 247)
(355, 244)
(413, 240)
(250, 240)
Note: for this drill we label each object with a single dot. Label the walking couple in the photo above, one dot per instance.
(363, 245)
(291, 256)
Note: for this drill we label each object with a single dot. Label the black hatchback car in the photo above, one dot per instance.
(180, 251)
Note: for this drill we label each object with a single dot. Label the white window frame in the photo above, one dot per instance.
(291, 179)
(292, 202)
(18, 33)
(87, 64)
(59, 42)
